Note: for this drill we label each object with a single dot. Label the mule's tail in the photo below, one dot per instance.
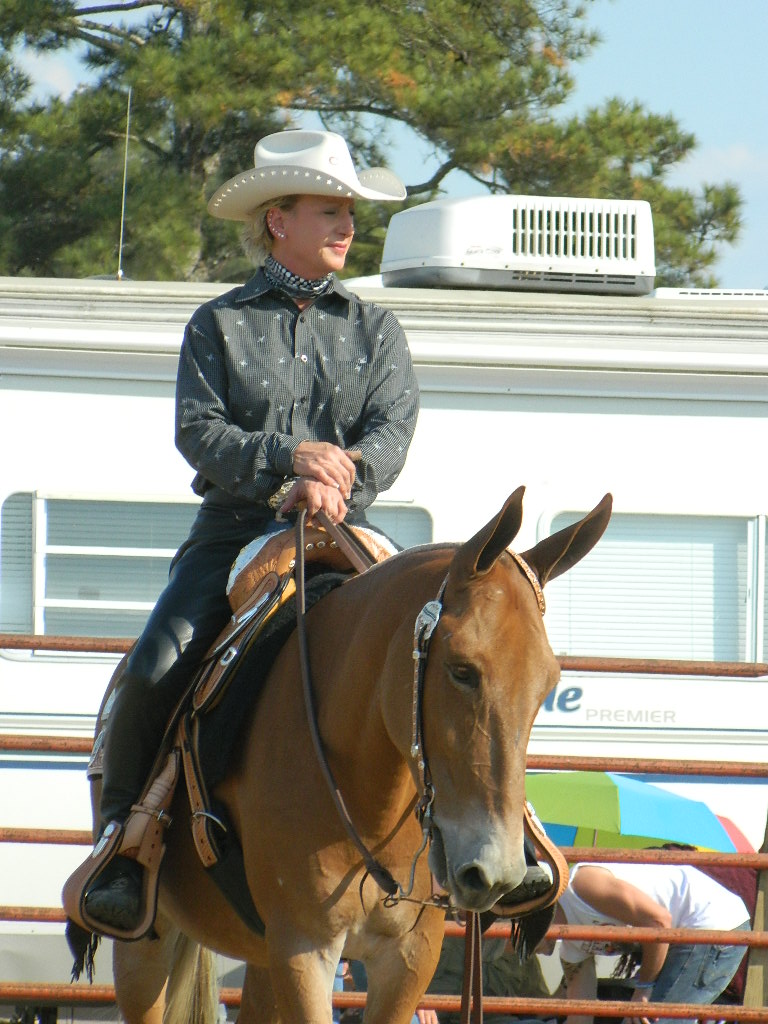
(193, 989)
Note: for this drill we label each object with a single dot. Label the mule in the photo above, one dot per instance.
(456, 728)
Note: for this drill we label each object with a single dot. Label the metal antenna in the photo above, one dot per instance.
(125, 182)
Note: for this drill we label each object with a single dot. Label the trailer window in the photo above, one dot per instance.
(87, 567)
(79, 567)
(664, 586)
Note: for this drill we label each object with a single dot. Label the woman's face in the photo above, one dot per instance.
(313, 237)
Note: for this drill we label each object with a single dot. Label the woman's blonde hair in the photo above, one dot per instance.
(256, 237)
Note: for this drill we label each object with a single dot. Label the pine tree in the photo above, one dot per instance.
(479, 83)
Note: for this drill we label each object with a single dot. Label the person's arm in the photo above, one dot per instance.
(625, 902)
(245, 463)
(327, 475)
(389, 417)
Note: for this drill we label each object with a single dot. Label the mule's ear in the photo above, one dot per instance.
(560, 552)
(478, 554)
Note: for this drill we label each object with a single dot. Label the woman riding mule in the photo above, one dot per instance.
(289, 389)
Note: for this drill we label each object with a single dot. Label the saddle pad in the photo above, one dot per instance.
(276, 552)
(220, 730)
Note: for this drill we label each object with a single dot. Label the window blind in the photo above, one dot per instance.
(656, 587)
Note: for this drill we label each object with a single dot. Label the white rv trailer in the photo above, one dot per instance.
(661, 399)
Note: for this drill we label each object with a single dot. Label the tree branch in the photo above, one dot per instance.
(429, 186)
(140, 141)
(132, 5)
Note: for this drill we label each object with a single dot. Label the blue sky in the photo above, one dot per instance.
(701, 60)
(705, 62)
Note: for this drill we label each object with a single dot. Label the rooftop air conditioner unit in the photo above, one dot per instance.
(532, 243)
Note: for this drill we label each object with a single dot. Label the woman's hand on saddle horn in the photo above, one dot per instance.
(327, 464)
(316, 497)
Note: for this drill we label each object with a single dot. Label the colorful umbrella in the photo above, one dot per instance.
(740, 841)
(610, 810)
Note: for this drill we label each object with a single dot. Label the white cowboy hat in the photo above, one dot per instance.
(297, 162)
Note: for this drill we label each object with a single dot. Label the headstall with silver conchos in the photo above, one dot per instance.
(424, 627)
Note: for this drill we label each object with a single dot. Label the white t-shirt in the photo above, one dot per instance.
(693, 899)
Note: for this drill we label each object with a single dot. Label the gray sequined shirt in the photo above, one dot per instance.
(257, 376)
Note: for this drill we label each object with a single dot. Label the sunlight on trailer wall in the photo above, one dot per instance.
(662, 402)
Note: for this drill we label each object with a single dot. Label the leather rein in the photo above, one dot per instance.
(425, 625)
(361, 561)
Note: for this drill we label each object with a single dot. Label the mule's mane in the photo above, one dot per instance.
(417, 552)
(433, 548)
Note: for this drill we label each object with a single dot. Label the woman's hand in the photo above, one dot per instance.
(326, 463)
(316, 496)
(639, 996)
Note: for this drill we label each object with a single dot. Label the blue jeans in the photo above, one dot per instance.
(696, 974)
(338, 986)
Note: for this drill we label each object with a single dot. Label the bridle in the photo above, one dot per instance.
(424, 627)
(471, 1011)
(394, 891)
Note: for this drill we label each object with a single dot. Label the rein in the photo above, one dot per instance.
(381, 875)
(361, 560)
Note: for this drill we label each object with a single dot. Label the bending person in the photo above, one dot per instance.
(650, 895)
(280, 382)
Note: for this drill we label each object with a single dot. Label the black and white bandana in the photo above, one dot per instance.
(293, 285)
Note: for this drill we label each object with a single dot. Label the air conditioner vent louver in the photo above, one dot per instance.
(542, 231)
(538, 243)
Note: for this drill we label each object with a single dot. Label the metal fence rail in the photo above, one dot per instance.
(568, 662)
(104, 995)
(36, 743)
(41, 995)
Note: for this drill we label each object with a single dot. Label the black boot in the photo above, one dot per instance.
(116, 899)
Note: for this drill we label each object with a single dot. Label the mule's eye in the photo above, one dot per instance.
(464, 675)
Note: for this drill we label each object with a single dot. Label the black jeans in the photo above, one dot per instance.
(187, 618)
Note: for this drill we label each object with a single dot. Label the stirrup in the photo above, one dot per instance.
(141, 838)
(83, 878)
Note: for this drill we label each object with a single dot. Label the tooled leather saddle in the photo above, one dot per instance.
(202, 732)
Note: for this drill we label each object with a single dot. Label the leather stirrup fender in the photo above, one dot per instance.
(140, 838)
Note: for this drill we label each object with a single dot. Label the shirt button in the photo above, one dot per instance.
(303, 357)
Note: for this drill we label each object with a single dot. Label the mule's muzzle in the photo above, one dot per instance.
(476, 890)
(474, 885)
